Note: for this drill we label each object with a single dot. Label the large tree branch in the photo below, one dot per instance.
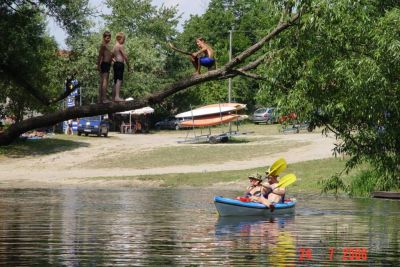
(97, 109)
(248, 74)
(265, 58)
(250, 66)
(236, 72)
(257, 46)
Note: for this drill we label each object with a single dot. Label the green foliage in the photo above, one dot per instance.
(141, 18)
(333, 183)
(338, 69)
(29, 57)
(24, 31)
(360, 184)
(249, 20)
(146, 29)
(364, 183)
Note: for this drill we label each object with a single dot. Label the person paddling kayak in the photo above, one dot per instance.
(274, 193)
(257, 192)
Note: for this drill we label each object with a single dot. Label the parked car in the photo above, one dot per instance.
(264, 115)
(97, 125)
(170, 123)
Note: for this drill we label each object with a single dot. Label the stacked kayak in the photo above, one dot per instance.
(235, 207)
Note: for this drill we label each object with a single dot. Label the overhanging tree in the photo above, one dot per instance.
(340, 71)
(31, 72)
(232, 68)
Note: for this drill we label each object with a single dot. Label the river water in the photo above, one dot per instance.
(72, 227)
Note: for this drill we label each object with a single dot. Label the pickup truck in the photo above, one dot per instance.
(97, 125)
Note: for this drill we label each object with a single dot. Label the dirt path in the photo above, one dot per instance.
(60, 169)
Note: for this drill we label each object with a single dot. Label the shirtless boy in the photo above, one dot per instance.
(103, 66)
(203, 57)
(120, 58)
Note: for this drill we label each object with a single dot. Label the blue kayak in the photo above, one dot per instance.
(234, 207)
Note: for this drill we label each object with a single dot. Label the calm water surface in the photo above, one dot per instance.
(181, 227)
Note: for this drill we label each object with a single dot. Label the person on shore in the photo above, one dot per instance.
(104, 65)
(69, 130)
(119, 58)
(203, 57)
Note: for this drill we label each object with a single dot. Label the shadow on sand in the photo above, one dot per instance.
(46, 146)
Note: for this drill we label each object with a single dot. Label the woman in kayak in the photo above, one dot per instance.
(273, 193)
(255, 188)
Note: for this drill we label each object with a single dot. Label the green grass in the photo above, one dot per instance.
(370, 180)
(22, 148)
(239, 147)
(308, 173)
(187, 154)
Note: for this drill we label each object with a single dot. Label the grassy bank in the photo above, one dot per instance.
(200, 154)
(308, 173)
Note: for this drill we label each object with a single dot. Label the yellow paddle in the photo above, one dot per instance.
(286, 180)
(277, 167)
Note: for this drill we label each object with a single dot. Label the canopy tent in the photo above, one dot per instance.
(137, 112)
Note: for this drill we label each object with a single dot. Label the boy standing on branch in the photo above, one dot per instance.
(203, 57)
(104, 65)
(120, 58)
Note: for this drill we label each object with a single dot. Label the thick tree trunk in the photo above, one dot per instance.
(226, 71)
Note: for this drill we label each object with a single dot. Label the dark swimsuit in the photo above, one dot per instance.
(255, 194)
(105, 67)
(265, 195)
(118, 71)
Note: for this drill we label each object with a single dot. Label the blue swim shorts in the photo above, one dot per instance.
(207, 62)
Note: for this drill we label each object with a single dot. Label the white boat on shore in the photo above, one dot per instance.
(211, 110)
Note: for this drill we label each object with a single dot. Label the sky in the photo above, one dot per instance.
(185, 8)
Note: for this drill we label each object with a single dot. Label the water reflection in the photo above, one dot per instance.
(180, 227)
(262, 238)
